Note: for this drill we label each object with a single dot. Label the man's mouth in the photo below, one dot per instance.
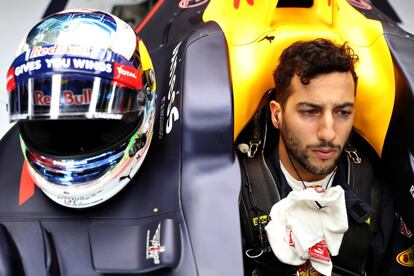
(325, 153)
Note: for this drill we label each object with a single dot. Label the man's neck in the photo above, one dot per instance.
(296, 167)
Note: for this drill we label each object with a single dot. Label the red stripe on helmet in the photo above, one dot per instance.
(27, 185)
(10, 83)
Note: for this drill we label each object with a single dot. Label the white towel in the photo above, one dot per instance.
(300, 231)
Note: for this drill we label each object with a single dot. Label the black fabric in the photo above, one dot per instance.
(258, 196)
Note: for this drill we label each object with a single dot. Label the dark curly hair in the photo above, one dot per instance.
(308, 59)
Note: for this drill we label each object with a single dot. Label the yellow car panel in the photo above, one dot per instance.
(257, 32)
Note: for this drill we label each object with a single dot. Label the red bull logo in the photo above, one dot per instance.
(69, 98)
(40, 51)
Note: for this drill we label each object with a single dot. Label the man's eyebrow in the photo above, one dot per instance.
(344, 105)
(314, 105)
(309, 104)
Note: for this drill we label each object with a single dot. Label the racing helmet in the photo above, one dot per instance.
(82, 89)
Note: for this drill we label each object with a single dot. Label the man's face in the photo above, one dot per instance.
(315, 123)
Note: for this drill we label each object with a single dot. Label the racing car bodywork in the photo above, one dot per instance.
(213, 62)
(257, 33)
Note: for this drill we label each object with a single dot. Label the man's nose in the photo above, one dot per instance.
(326, 130)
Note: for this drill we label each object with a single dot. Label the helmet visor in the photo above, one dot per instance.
(74, 97)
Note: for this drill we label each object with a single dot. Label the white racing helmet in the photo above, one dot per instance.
(82, 89)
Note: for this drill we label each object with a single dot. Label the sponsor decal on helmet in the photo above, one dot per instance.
(40, 51)
(101, 115)
(40, 66)
(406, 258)
(69, 97)
(74, 200)
(27, 67)
(16, 117)
(172, 111)
(122, 72)
(87, 64)
(128, 75)
(188, 4)
(155, 249)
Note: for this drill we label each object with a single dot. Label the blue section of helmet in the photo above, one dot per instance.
(72, 172)
(43, 65)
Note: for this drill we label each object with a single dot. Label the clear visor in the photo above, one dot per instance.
(75, 97)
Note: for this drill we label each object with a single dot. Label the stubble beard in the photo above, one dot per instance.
(299, 152)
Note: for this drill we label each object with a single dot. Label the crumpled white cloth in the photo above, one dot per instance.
(298, 229)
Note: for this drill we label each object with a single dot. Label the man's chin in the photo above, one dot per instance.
(322, 168)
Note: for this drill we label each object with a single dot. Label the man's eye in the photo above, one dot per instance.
(310, 112)
(343, 113)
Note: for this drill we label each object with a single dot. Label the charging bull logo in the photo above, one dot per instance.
(69, 98)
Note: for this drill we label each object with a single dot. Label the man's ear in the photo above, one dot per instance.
(276, 113)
